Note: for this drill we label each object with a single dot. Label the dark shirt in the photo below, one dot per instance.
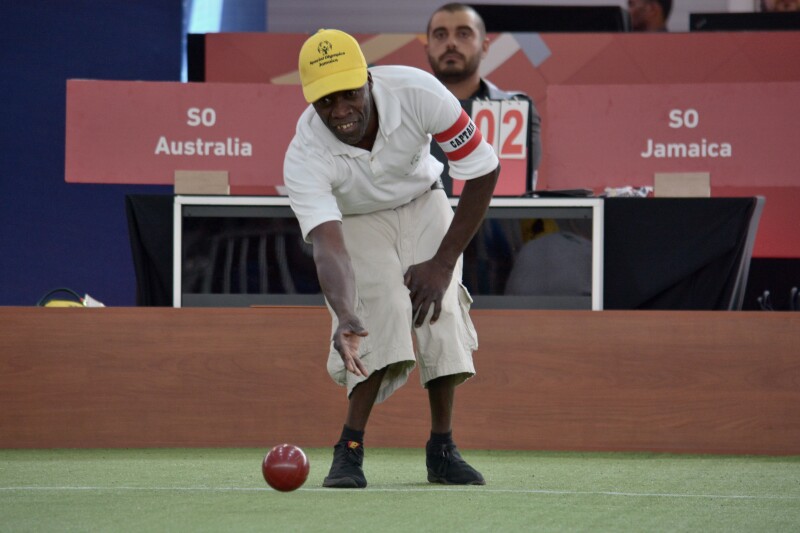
(488, 90)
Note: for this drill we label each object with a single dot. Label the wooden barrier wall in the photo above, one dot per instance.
(695, 382)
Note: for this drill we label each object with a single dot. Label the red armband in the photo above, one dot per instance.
(460, 139)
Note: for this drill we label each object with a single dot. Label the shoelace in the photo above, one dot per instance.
(350, 454)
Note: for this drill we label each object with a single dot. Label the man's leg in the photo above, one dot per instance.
(362, 399)
(348, 454)
(444, 462)
(441, 392)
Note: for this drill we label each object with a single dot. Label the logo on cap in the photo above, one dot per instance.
(325, 48)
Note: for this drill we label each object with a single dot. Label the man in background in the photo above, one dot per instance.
(457, 44)
(649, 15)
(772, 6)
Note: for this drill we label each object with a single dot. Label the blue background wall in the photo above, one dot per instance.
(55, 234)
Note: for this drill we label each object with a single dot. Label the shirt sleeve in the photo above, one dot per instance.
(306, 174)
(469, 155)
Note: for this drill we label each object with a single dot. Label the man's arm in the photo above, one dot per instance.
(335, 273)
(428, 281)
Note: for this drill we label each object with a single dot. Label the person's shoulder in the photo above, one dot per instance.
(402, 79)
(496, 93)
(400, 72)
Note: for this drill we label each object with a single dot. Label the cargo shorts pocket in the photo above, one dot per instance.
(469, 337)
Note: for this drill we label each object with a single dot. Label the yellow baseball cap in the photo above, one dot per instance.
(331, 61)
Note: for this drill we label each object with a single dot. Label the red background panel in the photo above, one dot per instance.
(597, 134)
(113, 130)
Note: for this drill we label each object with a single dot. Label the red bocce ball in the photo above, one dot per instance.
(285, 467)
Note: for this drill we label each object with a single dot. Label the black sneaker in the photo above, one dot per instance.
(346, 473)
(446, 466)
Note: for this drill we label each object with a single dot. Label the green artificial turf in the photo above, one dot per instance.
(222, 490)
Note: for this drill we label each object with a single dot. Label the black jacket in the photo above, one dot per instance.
(490, 91)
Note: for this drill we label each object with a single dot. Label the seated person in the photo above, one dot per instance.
(649, 15)
(555, 264)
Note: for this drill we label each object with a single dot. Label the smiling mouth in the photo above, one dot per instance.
(346, 126)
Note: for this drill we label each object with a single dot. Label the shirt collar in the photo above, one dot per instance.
(482, 92)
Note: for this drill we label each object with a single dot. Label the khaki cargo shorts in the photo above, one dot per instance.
(382, 246)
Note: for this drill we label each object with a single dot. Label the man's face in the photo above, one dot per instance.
(639, 13)
(347, 113)
(455, 45)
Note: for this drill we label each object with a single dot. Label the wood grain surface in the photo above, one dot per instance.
(693, 382)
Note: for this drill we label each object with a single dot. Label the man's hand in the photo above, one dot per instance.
(346, 340)
(427, 282)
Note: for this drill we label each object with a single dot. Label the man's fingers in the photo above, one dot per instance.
(348, 349)
(437, 309)
(361, 370)
(356, 366)
(421, 313)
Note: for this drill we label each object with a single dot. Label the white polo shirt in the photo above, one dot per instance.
(327, 178)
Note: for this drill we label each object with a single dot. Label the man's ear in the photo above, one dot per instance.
(369, 79)
(484, 48)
